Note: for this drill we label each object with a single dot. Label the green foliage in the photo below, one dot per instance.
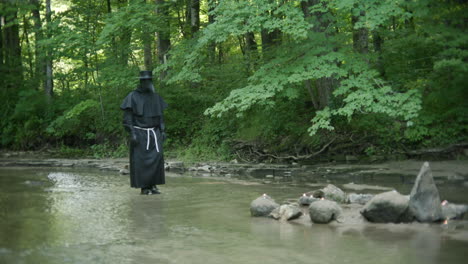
(108, 150)
(252, 73)
(209, 143)
(77, 121)
(22, 128)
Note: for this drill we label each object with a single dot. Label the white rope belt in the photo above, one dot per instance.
(148, 136)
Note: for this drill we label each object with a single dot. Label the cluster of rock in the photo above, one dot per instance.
(324, 205)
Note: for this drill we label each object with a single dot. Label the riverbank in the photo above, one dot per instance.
(450, 169)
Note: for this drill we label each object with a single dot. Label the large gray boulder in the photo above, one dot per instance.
(424, 202)
(324, 211)
(453, 211)
(387, 207)
(262, 206)
(286, 212)
(354, 198)
(333, 193)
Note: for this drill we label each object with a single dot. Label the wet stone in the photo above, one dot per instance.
(424, 201)
(387, 207)
(307, 200)
(453, 211)
(124, 171)
(324, 211)
(331, 192)
(354, 198)
(263, 206)
(286, 212)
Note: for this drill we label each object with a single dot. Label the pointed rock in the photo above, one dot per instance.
(424, 202)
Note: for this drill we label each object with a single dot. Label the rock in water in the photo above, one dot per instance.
(286, 212)
(424, 202)
(324, 211)
(124, 171)
(386, 207)
(333, 193)
(453, 211)
(262, 206)
(307, 200)
(359, 198)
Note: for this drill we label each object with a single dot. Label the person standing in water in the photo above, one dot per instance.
(144, 121)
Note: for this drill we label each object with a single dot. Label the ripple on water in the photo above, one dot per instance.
(94, 217)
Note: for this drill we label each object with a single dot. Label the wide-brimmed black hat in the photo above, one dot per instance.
(146, 75)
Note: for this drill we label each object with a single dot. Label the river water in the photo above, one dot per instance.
(57, 215)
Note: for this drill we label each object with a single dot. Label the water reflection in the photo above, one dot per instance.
(94, 217)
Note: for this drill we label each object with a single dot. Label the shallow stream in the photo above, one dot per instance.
(59, 215)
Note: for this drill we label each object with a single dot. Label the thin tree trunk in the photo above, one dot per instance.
(250, 50)
(40, 69)
(49, 82)
(377, 43)
(195, 16)
(192, 18)
(211, 19)
(2, 64)
(163, 35)
(26, 28)
(122, 45)
(148, 55)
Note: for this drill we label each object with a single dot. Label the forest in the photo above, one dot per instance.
(253, 80)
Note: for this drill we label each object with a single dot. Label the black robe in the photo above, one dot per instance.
(143, 115)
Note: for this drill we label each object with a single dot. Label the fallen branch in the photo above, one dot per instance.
(298, 157)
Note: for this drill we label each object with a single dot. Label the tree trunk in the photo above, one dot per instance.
(163, 35)
(360, 35)
(148, 55)
(26, 30)
(250, 51)
(312, 94)
(377, 43)
(40, 69)
(211, 19)
(12, 51)
(121, 44)
(250, 43)
(325, 85)
(124, 46)
(2, 64)
(109, 7)
(194, 16)
(49, 83)
(270, 39)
